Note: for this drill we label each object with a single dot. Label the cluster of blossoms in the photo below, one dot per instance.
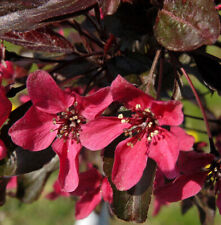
(67, 121)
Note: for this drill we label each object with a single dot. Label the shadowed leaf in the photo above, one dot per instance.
(206, 205)
(30, 185)
(210, 71)
(3, 184)
(186, 25)
(186, 204)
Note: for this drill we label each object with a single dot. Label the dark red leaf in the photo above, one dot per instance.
(109, 7)
(21, 15)
(187, 25)
(42, 39)
(30, 185)
(131, 205)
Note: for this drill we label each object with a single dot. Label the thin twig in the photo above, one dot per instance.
(77, 26)
(160, 77)
(199, 118)
(152, 70)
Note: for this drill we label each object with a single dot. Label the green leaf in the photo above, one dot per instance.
(186, 25)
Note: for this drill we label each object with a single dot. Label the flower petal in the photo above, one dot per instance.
(100, 132)
(126, 171)
(165, 152)
(168, 113)
(181, 188)
(185, 140)
(45, 93)
(89, 180)
(87, 204)
(33, 130)
(128, 94)
(3, 150)
(95, 104)
(68, 155)
(5, 108)
(185, 161)
(107, 191)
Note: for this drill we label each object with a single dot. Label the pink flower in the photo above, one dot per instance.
(144, 132)
(158, 202)
(5, 109)
(197, 170)
(91, 189)
(56, 113)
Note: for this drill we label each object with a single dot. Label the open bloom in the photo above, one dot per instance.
(93, 187)
(5, 109)
(196, 170)
(56, 113)
(144, 132)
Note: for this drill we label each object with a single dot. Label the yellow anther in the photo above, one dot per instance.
(207, 166)
(78, 121)
(120, 116)
(123, 121)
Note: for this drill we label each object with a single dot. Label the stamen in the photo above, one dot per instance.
(123, 121)
(130, 144)
(69, 123)
(147, 110)
(120, 116)
(138, 106)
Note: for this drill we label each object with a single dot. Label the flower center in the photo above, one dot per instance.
(142, 122)
(69, 123)
(214, 175)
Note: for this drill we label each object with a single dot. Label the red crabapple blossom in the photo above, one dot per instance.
(57, 116)
(196, 171)
(93, 187)
(145, 132)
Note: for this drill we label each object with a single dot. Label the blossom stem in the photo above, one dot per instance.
(212, 146)
(198, 101)
(160, 78)
(152, 69)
